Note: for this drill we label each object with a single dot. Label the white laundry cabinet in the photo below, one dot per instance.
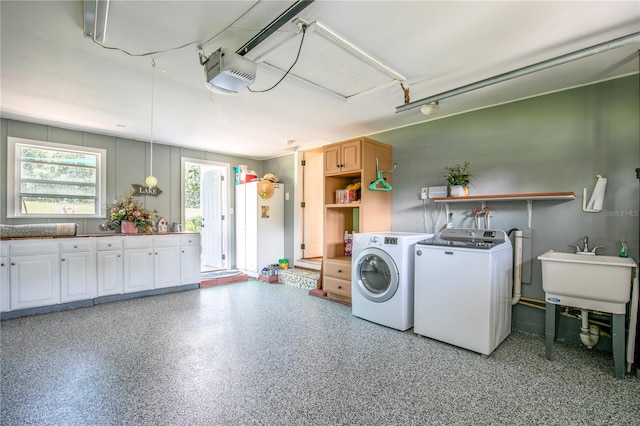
(259, 227)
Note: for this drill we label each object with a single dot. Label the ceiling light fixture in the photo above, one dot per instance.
(430, 108)
(540, 66)
(151, 180)
(95, 19)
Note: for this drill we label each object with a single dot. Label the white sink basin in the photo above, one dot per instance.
(601, 283)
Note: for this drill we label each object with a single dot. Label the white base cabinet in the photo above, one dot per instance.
(35, 280)
(77, 270)
(110, 269)
(110, 273)
(5, 291)
(166, 261)
(36, 273)
(189, 259)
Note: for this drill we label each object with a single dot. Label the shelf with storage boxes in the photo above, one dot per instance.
(369, 212)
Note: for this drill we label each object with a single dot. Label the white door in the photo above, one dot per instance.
(206, 208)
(212, 222)
(313, 204)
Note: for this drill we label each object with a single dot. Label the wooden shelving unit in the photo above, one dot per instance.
(347, 163)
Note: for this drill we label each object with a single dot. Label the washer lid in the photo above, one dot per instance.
(467, 237)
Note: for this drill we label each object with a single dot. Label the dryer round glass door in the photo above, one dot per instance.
(376, 275)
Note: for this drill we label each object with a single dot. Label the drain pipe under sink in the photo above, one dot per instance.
(589, 334)
(517, 268)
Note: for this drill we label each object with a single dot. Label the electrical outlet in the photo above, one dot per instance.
(424, 194)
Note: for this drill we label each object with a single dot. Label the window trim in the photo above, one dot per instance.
(13, 179)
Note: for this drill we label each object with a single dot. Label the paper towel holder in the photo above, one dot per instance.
(587, 207)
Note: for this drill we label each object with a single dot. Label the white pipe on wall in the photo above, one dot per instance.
(589, 334)
(517, 268)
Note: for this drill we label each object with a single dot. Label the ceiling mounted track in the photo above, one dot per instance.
(285, 17)
(540, 66)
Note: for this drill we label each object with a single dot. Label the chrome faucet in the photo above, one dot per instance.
(585, 249)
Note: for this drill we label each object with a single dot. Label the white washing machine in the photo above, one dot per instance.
(382, 277)
(463, 285)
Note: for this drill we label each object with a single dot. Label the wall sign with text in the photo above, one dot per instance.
(145, 190)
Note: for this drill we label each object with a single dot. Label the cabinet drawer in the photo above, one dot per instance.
(190, 240)
(133, 242)
(109, 243)
(166, 241)
(338, 269)
(73, 245)
(20, 248)
(336, 286)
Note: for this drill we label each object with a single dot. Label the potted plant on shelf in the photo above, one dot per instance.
(458, 178)
(129, 215)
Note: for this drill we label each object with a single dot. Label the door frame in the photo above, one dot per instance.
(226, 235)
(298, 178)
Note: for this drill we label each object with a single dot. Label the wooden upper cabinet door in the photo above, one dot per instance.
(332, 159)
(351, 156)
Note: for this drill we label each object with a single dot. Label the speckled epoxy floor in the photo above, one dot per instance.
(258, 354)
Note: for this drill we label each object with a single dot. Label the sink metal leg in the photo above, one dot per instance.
(550, 328)
(618, 334)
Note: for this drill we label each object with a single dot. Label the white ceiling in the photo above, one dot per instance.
(51, 74)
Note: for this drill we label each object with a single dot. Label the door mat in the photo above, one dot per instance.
(208, 279)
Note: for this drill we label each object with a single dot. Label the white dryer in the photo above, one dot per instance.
(382, 277)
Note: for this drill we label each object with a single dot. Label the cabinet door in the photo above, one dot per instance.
(332, 159)
(77, 276)
(350, 156)
(190, 265)
(138, 269)
(166, 266)
(5, 301)
(35, 280)
(110, 272)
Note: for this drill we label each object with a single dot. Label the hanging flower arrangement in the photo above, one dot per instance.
(130, 210)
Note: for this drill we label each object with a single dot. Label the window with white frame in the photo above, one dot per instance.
(47, 179)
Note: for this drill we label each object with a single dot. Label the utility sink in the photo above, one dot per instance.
(601, 283)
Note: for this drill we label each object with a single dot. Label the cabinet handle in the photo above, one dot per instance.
(108, 245)
(13, 263)
(63, 259)
(183, 251)
(75, 246)
(119, 255)
(150, 254)
(2, 264)
(339, 271)
(339, 287)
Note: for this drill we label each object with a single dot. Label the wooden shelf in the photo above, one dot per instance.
(560, 196)
(529, 198)
(343, 205)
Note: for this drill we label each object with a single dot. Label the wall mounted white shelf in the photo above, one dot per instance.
(560, 196)
(528, 197)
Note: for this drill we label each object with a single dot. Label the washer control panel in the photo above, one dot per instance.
(391, 241)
